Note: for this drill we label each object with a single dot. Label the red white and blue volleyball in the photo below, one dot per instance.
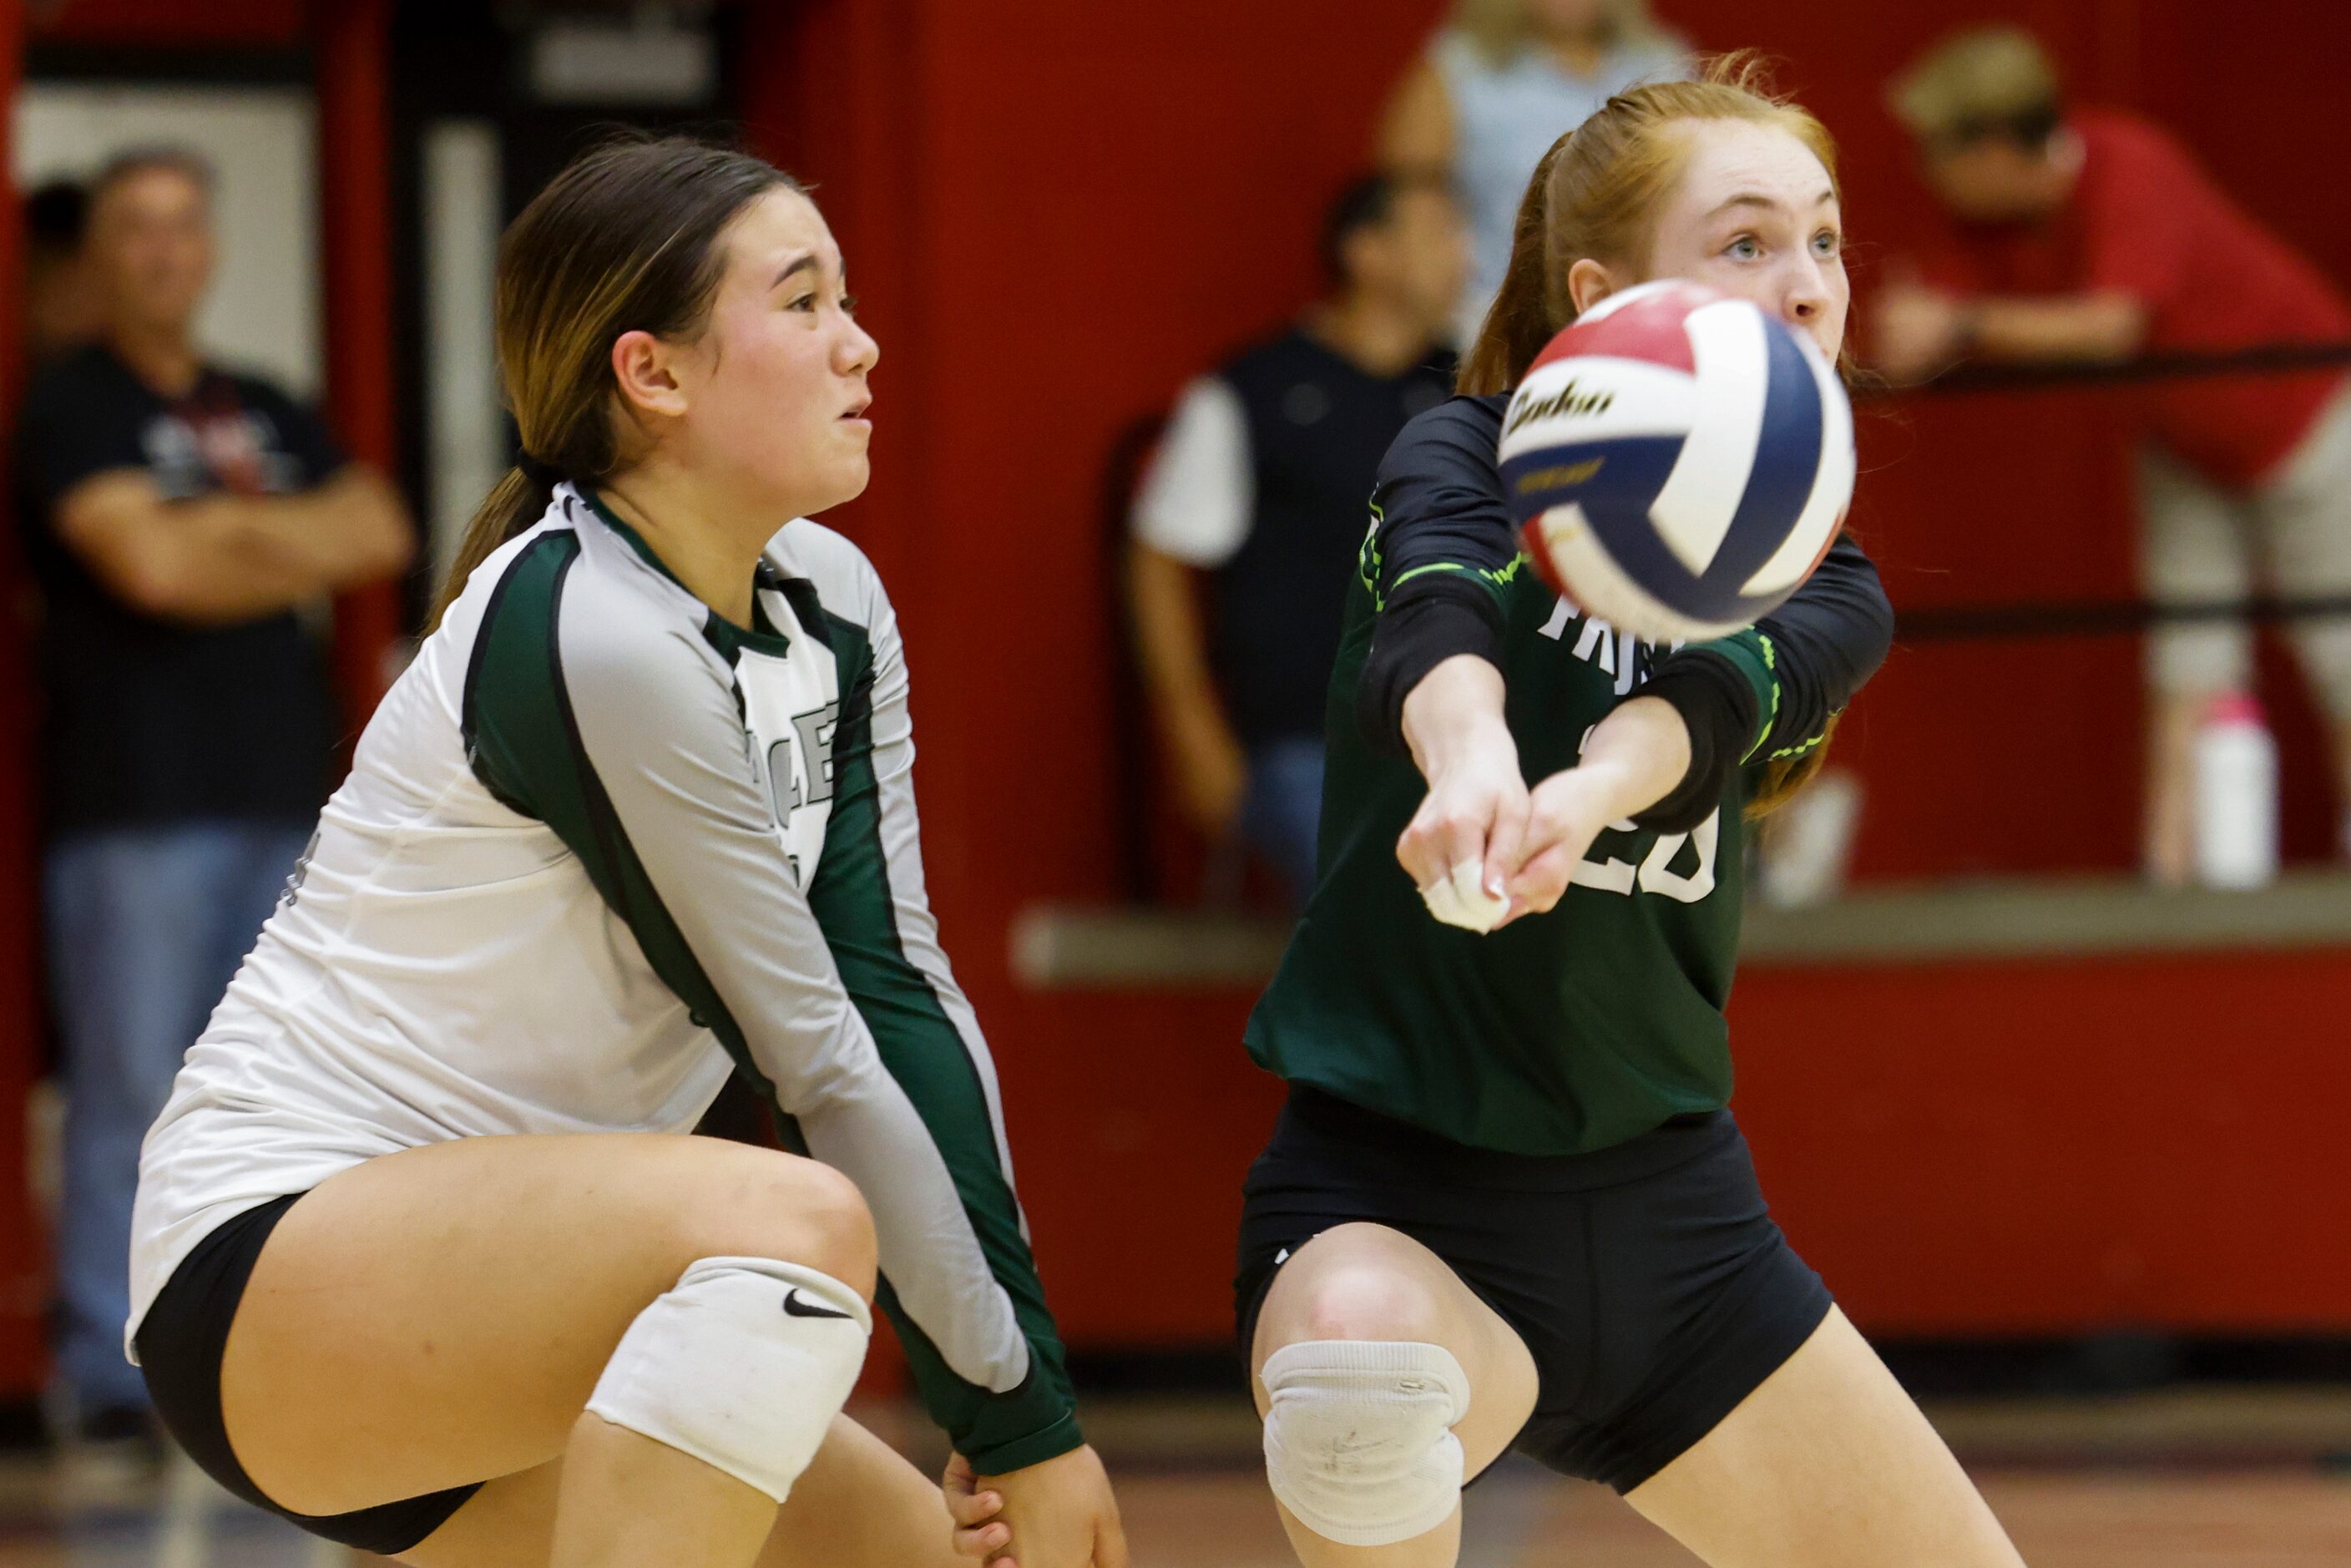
(1679, 461)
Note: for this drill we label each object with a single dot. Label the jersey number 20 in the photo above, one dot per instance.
(1656, 874)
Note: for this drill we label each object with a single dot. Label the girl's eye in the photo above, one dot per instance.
(1828, 242)
(1744, 248)
(804, 302)
(849, 304)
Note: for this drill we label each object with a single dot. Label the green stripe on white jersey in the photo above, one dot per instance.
(636, 842)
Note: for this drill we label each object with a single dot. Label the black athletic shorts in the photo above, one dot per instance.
(1647, 1280)
(180, 1348)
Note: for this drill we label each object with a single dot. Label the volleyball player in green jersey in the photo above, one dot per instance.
(1505, 1204)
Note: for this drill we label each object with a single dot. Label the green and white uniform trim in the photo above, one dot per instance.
(597, 844)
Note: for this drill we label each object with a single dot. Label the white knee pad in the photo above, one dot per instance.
(1357, 1445)
(743, 1364)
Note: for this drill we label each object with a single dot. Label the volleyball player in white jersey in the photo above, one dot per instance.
(421, 1260)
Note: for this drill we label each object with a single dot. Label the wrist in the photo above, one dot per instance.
(1464, 743)
(1453, 712)
(1008, 1460)
(1621, 787)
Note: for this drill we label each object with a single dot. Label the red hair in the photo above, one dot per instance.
(1596, 196)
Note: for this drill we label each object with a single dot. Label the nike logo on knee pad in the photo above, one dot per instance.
(795, 1305)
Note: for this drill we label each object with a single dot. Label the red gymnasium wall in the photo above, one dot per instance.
(1059, 211)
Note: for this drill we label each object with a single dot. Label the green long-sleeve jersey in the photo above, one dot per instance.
(1578, 1028)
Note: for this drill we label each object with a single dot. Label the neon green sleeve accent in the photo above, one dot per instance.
(1752, 654)
(1494, 581)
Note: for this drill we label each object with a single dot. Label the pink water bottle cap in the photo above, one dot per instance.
(2234, 707)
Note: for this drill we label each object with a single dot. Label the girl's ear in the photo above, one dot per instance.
(647, 379)
(1588, 283)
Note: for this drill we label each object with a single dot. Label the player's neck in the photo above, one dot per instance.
(163, 358)
(1370, 334)
(702, 538)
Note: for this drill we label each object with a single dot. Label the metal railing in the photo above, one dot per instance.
(2111, 617)
(2264, 359)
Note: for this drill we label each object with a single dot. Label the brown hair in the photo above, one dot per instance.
(624, 239)
(1595, 194)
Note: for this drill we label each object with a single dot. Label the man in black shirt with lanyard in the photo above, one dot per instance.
(177, 517)
(1260, 483)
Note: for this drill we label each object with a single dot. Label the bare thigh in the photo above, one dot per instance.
(1827, 1464)
(859, 1505)
(441, 1315)
(1368, 1283)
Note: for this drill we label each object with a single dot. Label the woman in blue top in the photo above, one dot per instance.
(1500, 82)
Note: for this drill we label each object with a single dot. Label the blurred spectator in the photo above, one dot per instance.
(1262, 482)
(177, 515)
(2088, 235)
(1502, 82)
(60, 297)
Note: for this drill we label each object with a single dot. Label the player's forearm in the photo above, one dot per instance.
(1437, 618)
(1640, 753)
(1453, 712)
(2094, 327)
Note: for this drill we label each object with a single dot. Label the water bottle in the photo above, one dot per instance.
(2236, 796)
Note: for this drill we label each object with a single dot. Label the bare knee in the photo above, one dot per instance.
(1356, 1284)
(1362, 1300)
(760, 1203)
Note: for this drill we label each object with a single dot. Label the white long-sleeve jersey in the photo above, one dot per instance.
(596, 841)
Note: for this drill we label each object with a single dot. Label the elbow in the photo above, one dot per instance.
(1875, 637)
(394, 548)
(383, 543)
(372, 530)
(391, 540)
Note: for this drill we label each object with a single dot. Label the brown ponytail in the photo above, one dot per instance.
(624, 239)
(1595, 194)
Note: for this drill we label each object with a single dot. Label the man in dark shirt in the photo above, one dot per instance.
(1261, 484)
(177, 518)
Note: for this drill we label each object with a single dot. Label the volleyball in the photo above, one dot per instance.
(1677, 461)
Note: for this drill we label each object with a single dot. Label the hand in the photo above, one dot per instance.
(1462, 846)
(1061, 1515)
(1565, 813)
(1211, 776)
(1916, 331)
(976, 1533)
(1632, 760)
